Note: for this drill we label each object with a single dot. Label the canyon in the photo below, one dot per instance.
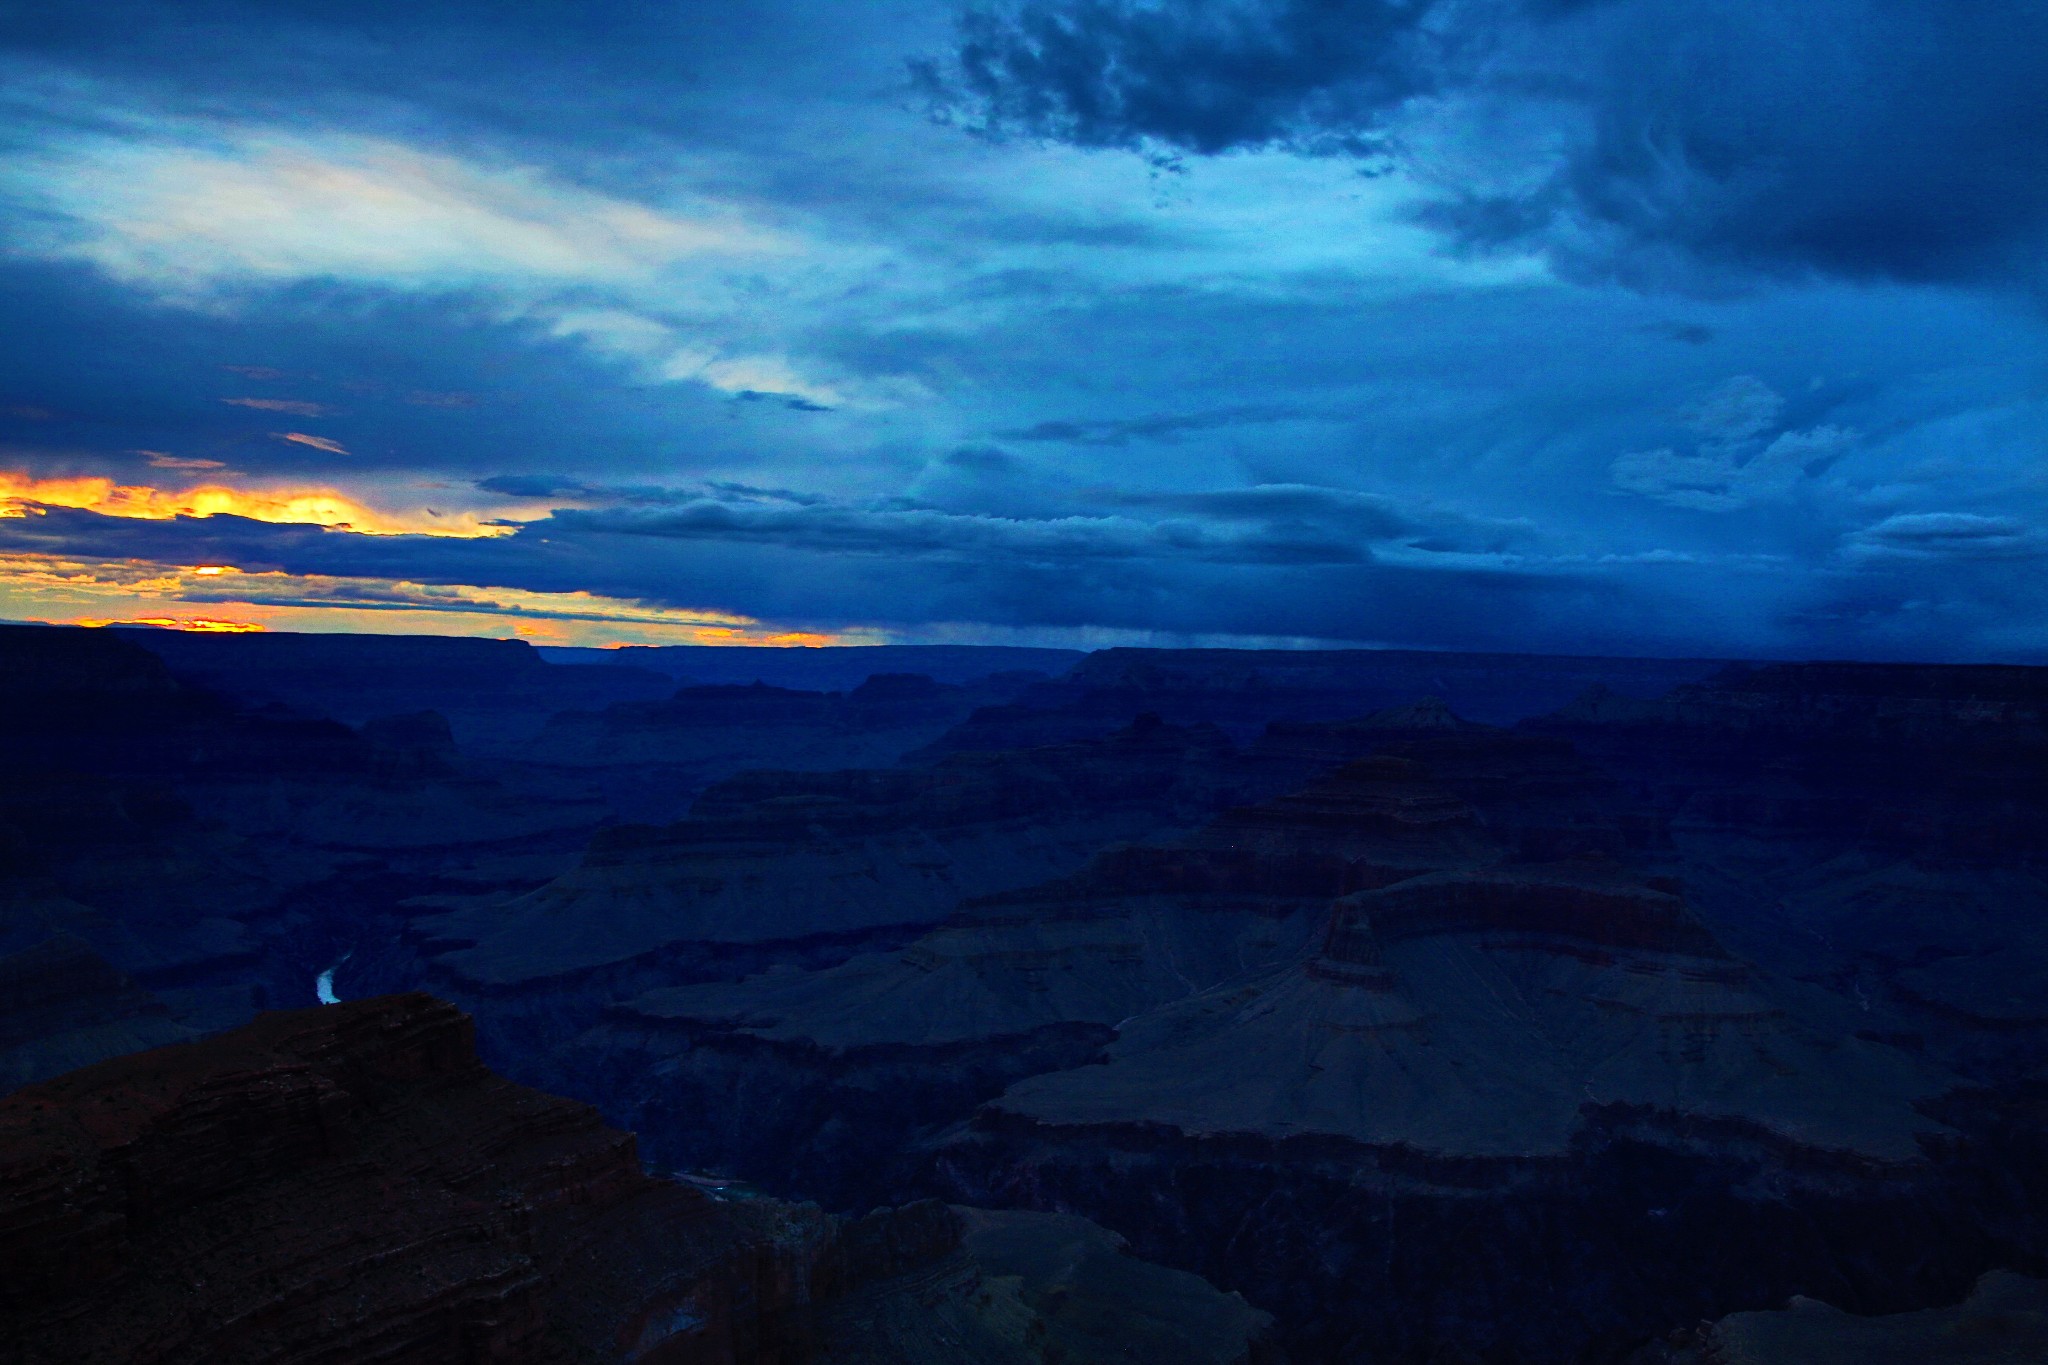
(1444, 1007)
(351, 1183)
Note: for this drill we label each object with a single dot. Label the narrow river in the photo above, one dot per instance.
(323, 984)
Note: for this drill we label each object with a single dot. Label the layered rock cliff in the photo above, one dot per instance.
(350, 1183)
(1243, 691)
(835, 1075)
(652, 757)
(497, 693)
(1319, 1046)
(2003, 1322)
(215, 856)
(781, 856)
(1877, 827)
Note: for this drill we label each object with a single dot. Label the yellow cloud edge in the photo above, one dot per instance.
(212, 597)
(23, 494)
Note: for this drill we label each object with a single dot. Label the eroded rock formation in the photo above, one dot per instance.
(350, 1183)
(2003, 1322)
(781, 856)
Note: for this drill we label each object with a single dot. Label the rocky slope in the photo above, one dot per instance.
(496, 692)
(1877, 827)
(771, 857)
(839, 668)
(1449, 997)
(219, 856)
(2003, 1322)
(63, 1006)
(834, 1073)
(1027, 1288)
(651, 757)
(1243, 691)
(350, 1183)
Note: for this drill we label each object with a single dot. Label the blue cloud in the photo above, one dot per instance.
(1030, 382)
(1657, 138)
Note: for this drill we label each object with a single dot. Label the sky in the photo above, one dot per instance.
(1647, 327)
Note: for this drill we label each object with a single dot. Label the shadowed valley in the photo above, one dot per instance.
(1392, 1007)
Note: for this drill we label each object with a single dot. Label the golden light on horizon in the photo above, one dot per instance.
(22, 494)
(203, 624)
(56, 591)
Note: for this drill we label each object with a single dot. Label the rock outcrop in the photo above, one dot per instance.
(781, 856)
(496, 693)
(2003, 1322)
(652, 756)
(1243, 691)
(62, 1006)
(1026, 1288)
(350, 1183)
(1876, 826)
(1301, 1048)
(216, 856)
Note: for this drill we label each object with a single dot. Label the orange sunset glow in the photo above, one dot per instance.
(21, 494)
(203, 624)
(222, 598)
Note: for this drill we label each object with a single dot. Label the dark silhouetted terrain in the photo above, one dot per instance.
(1555, 1011)
(352, 1184)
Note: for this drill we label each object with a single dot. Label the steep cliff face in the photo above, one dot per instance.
(495, 692)
(780, 856)
(837, 1076)
(1369, 1052)
(350, 1184)
(63, 1006)
(1243, 691)
(2003, 1322)
(652, 757)
(219, 856)
(1875, 826)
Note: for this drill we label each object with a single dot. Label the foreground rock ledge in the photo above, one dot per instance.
(351, 1184)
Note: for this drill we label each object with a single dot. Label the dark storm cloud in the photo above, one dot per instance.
(1340, 514)
(1691, 333)
(1162, 535)
(829, 578)
(535, 486)
(476, 63)
(898, 531)
(1947, 536)
(1232, 358)
(111, 372)
(1868, 138)
(1117, 431)
(1307, 74)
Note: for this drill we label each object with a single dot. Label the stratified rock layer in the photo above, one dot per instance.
(351, 1184)
(779, 856)
(2003, 1322)
(1027, 1288)
(1877, 826)
(63, 1006)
